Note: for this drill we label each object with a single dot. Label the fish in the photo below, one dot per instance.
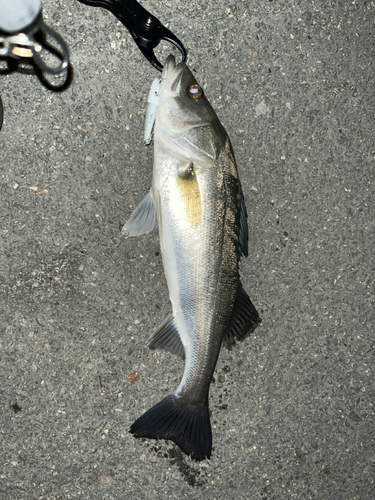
(197, 201)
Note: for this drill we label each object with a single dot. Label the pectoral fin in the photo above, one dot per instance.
(143, 218)
(166, 337)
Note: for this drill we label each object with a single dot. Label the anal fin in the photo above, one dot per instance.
(166, 337)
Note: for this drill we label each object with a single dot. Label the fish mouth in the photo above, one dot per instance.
(169, 66)
(172, 73)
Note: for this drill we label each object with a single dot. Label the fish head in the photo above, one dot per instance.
(186, 125)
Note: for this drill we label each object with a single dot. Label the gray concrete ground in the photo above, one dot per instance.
(293, 405)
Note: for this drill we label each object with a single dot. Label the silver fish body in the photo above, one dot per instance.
(197, 199)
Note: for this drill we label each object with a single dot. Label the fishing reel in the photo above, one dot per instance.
(23, 39)
(23, 36)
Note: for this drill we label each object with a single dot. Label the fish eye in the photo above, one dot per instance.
(195, 92)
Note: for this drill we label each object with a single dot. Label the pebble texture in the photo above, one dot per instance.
(293, 405)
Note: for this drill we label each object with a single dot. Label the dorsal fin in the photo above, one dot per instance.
(244, 232)
(244, 318)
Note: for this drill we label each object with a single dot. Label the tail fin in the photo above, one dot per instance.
(190, 430)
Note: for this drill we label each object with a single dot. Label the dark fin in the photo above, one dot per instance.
(166, 337)
(142, 220)
(190, 430)
(244, 231)
(187, 173)
(245, 318)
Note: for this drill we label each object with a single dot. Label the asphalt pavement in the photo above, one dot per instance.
(293, 405)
